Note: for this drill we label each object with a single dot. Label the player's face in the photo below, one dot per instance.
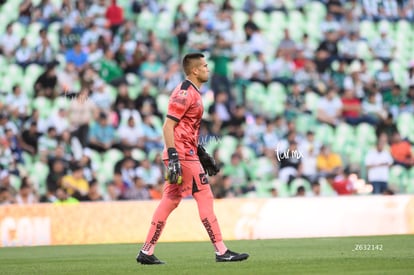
(203, 71)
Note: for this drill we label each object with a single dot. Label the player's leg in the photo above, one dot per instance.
(205, 200)
(170, 200)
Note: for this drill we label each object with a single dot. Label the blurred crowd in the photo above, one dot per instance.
(106, 80)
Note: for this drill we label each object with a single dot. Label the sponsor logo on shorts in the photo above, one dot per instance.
(203, 179)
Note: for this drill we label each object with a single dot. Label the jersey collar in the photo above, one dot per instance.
(195, 87)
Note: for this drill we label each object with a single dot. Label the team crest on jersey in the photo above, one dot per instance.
(182, 93)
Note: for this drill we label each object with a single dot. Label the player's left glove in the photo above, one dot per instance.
(208, 163)
(174, 173)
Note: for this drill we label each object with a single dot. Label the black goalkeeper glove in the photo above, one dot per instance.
(174, 167)
(208, 163)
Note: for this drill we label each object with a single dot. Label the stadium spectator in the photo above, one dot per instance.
(401, 151)
(152, 134)
(5, 183)
(290, 162)
(295, 102)
(82, 111)
(341, 184)
(26, 193)
(300, 191)
(45, 84)
(309, 148)
(93, 193)
(315, 189)
(221, 56)
(198, 39)
(131, 135)
(74, 183)
(139, 191)
(152, 70)
(29, 139)
(54, 178)
(109, 70)
(329, 108)
(5, 197)
(88, 167)
(18, 103)
(48, 142)
(9, 42)
(115, 15)
(156, 191)
(373, 108)
(352, 109)
(25, 12)
(67, 79)
(149, 173)
(282, 68)
(378, 162)
(13, 143)
(44, 52)
(239, 174)
(102, 134)
(24, 54)
(287, 45)
(101, 96)
(146, 103)
(328, 162)
(383, 47)
(254, 132)
(62, 197)
(77, 56)
(68, 38)
(394, 99)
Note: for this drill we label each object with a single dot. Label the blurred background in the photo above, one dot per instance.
(306, 98)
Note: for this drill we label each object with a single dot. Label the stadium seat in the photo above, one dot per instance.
(405, 124)
(324, 134)
(38, 173)
(43, 105)
(365, 134)
(138, 154)
(305, 122)
(398, 178)
(162, 103)
(112, 156)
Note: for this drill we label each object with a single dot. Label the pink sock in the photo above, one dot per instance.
(204, 200)
(164, 209)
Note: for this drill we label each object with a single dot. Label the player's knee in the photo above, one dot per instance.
(175, 202)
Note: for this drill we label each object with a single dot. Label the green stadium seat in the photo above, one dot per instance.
(162, 103)
(15, 181)
(398, 178)
(43, 105)
(405, 124)
(138, 154)
(38, 173)
(324, 134)
(112, 156)
(365, 134)
(146, 20)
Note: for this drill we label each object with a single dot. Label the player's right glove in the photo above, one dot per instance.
(207, 161)
(174, 167)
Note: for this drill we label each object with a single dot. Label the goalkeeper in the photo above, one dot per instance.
(187, 164)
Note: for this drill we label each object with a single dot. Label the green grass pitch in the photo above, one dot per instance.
(282, 256)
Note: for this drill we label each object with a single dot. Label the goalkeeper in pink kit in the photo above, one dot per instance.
(187, 164)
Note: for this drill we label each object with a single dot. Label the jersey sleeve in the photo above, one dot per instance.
(180, 102)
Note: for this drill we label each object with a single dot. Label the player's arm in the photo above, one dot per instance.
(168, 131)
(174, 166)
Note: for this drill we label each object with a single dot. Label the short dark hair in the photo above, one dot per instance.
(188, 61)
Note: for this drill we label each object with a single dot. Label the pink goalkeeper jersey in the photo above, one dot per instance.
(186, 108)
